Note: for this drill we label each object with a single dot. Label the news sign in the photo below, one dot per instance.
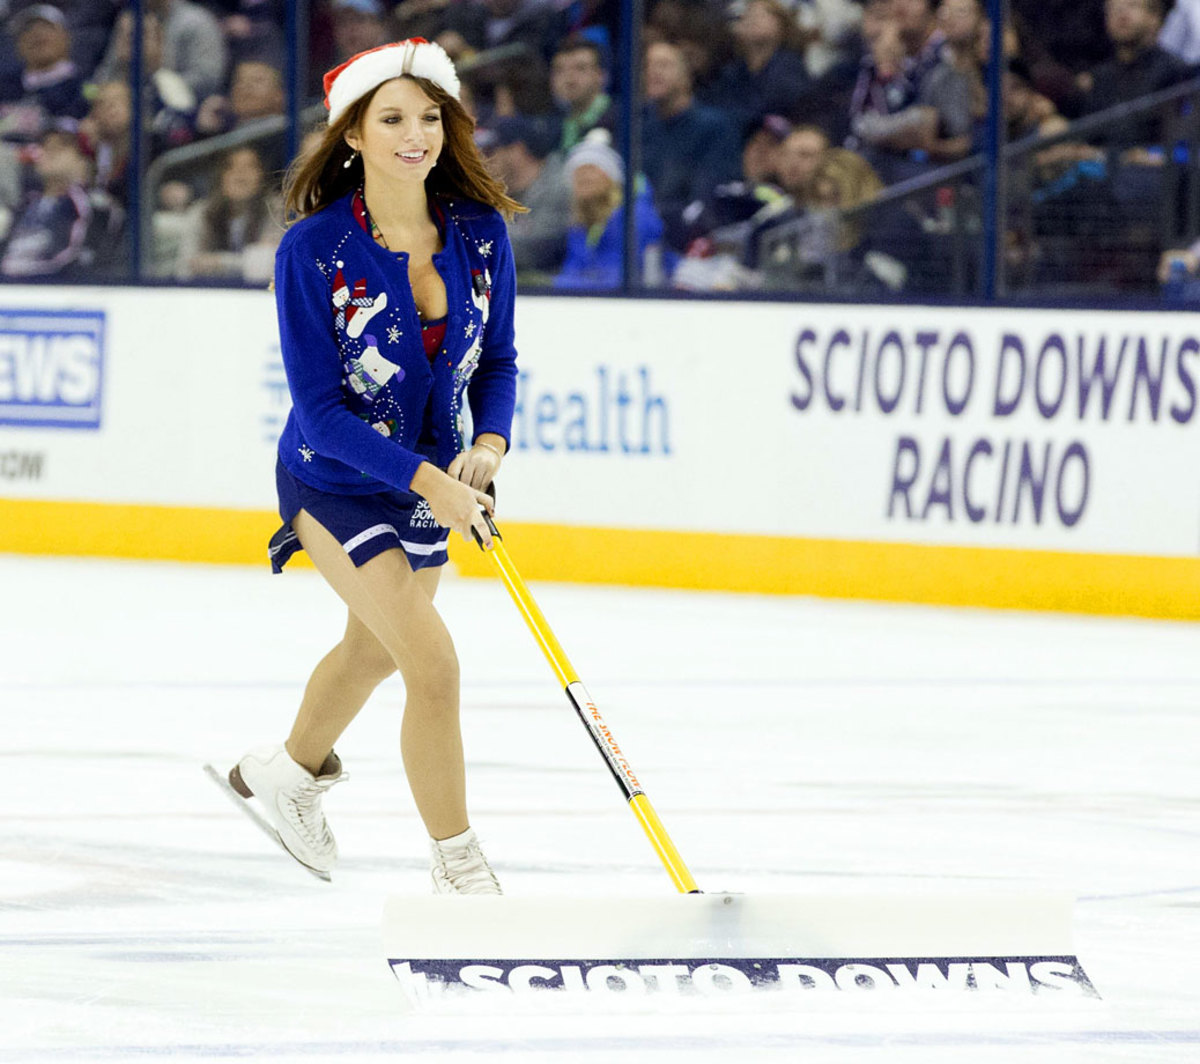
(51, 368)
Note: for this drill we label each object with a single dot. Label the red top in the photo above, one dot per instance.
(432, 335)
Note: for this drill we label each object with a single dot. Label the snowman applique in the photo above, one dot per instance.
(369, 372)
(353, 310)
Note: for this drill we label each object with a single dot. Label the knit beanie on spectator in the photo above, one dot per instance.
(362, 73)
(596, 150)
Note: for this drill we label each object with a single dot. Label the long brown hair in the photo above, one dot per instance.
(318, 177)
(216, 218)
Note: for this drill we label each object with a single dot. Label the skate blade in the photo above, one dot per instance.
(262, 823)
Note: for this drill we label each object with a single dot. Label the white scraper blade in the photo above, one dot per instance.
(717, 945)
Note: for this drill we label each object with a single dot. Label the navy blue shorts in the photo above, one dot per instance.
(365, 525)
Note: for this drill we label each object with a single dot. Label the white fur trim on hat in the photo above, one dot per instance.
(368, 70)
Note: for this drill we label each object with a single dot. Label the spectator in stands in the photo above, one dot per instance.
(702, 31)
(427, 18)
(12, 184)
(1028, 112)
(760, 153)
(49, 237)
(768, 76)
(256, 91)
(513, 85)
(1060, 39)
(172, 227)
(800, 158)
(1179, 274)
(192, 45)
(964, 23)
(910, 106)
(828, 28)
(170, 102)
(90, 23)
(493, 23)
(106, 129)
(720, 230)
(1139, 66)
(578, 80)
(237, 228)
(254, 30)
(687, 149)
(520, 152)
(843, 179)
(596, 240)
(811, 232)
(358, 25)
(49, 85)
(1181, 32)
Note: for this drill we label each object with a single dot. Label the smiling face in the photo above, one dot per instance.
(401, 134)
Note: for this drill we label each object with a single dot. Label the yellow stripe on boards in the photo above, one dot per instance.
(1129, 585)
(896, 572)
(111, 530)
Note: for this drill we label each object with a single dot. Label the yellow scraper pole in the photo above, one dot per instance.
(586, 709)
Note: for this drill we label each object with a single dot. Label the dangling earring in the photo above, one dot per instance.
(350, 162)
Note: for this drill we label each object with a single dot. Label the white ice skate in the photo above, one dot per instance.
(290, 797)
(459, 866)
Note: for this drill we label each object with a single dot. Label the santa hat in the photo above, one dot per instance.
(361, 73)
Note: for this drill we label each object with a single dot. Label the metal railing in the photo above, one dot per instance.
(957, 226)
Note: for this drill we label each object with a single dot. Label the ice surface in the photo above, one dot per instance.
(788, 744)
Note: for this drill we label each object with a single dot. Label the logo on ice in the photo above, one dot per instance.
(425, 979)
(51, 368)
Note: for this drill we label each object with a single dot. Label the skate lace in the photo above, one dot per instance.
(304, 805)
(466, 868)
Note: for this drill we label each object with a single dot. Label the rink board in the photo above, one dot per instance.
(1015, 458)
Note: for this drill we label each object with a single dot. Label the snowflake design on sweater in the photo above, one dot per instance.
(485, 248)
(307, 453)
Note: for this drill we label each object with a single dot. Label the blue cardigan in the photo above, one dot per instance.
(361, 384)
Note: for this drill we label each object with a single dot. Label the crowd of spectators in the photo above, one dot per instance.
(771, 131)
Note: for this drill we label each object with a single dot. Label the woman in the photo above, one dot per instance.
(235, 230)
(393, 290)
(596, 240)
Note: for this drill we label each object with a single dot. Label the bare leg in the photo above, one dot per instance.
(395, 605)
(339, 687)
